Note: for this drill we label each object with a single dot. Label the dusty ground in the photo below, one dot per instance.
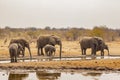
(70, 48)
(107, 64)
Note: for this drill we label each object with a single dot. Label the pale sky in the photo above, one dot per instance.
(60, 13)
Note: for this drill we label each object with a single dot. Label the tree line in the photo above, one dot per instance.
(69, 34)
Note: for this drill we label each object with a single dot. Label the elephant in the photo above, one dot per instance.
(24, 44)
(90, 42)
(46, 75)
(101, 48)
(49, 50)
(13, 51)
(44, 40)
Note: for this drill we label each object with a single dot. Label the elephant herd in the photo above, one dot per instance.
(47, 42)
(17, 46)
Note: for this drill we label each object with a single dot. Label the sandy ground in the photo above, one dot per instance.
(106, 64)
(70, 48)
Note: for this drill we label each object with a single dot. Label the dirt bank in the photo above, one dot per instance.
(103, 64)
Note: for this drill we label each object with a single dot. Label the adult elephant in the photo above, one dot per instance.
(44, 40)
(14, 48)
(24, 44)
(102, 47)
(90, 42)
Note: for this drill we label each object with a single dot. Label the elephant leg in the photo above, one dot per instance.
(42, 52)
(48, 53)
(18, 53)
(15, 58)
(11, 60)
(54, 53)
(38, 52)
(23, 52)
(45, 53)
(84, 52)
(51, 53)
(92, 51)
(12, 57)
(102, 53)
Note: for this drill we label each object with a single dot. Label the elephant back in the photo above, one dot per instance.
(23, 42)
(87, 42)
(100, 40)
(13, 46)
(42, 41)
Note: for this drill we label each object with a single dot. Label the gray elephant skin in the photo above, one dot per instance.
(49, 50)
(24, 44)
(14, 48)
(102, 47)
(44, 40)
(90, 42)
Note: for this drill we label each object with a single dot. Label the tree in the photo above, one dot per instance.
(47, 28)
(72, 34)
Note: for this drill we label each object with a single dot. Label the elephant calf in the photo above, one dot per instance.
(14, 49)
(49, 50)
(101, 48)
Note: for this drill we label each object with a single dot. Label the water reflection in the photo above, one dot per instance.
(92, 74)
(44, 75)
(92, 57)
(55, 75)
(17, 76)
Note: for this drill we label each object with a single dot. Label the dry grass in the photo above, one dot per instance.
(70, 48)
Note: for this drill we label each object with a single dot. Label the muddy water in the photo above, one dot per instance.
(58, 75)
(76, 58)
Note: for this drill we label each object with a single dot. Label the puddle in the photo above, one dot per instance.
(57, 75)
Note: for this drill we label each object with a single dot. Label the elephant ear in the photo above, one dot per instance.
(57, 39)
(20, 46)
(99, 39)
(52, 41)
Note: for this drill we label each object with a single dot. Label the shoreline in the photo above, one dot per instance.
(101, 64)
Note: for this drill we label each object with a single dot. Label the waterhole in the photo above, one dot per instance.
(59, 75)
(57, 58)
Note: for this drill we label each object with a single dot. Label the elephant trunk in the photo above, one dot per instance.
(30, 53)
(60, 50)
(107, 48)
(108, 52)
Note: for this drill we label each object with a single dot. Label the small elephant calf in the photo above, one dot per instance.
(14, 50)
(101, 48)
(49, 50)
